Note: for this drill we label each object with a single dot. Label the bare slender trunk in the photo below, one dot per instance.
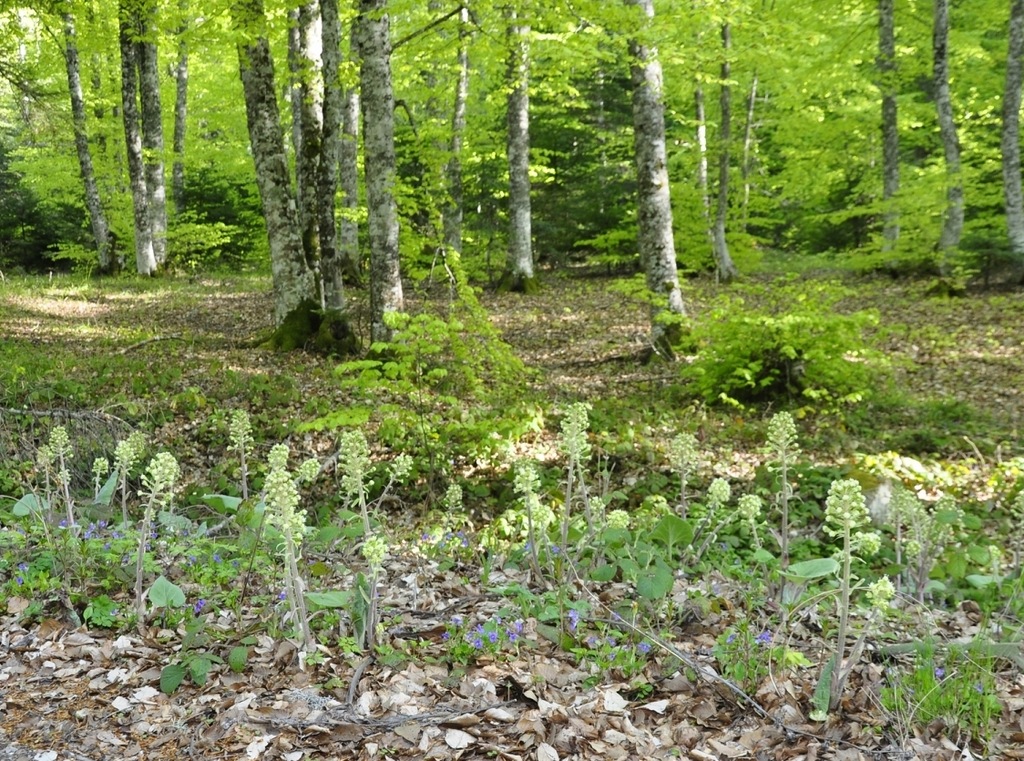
(332, 273)
(654, 207)
(453, 170)
(890, 127)
(153, 135)
(180, 112)
(726, 270)
(748, 149)
(1011, 132)
(93, 202)
(145, 260)
(519, 274)
(293, 282)
(348, 178)
(700, 113)
(953, 219)
(378, 103)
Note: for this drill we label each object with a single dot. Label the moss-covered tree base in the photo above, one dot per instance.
(309, 327)
(512, 282)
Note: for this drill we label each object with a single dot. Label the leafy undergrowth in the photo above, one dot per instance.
(661, 615)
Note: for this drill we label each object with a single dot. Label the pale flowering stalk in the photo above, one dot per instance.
(158, 480)
(240, 436)
(60, 446)
(749, 509)
(282, 501)
(577, 450)
(783, 445)
(374, 550)
(526, 482)
(354, 463)
(683, 458)
(100, 470)
(126, 454)
(718, 494)
(845, 512)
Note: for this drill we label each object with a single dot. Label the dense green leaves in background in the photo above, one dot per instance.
(805, 170)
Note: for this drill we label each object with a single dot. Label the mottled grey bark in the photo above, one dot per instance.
(519, 263)
(304, 59)
(145, 260)
(293, 281)
(1011, 131)
(348, 178)
(331, 271)
(953, 218)
(93, 202)
(152, 133)
(890, 127)
(725, 269)
(378, 102)
(654, 206)
(452, 215)
(180, 112)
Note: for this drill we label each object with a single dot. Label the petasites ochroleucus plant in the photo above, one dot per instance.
(846, 513)
(127, 454)
(281, 496)
(158, 488)
(576, 448)
(53, 459)
(684, 458)
(783, 448)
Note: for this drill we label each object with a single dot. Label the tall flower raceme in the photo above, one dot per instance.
(717, 496)
(354, 464)
(748, 509)
(240, 436)
(684, 457)
(846, 513)
(61, 453)
(539, 516)
(576, 448)
(158, 483)
(783, 449)
(281, 496)
(127, 454)
(922, 533)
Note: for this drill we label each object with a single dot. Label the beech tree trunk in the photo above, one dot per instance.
(152, 134)
(331, 272)
(748, 148)
(724, 266)
(700, 112)
(93, 202)
(180, 112)
(348, 177)
(953, 219)
(654, 207)
(304, 58)
(293, 281)
(452, 215)
(145, 259)
(378, 102)
(1011, 132)
(890, 127)
(519, 274)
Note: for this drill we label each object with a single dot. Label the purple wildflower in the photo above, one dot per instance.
(644, 648)
(764, 638)
(198, 607)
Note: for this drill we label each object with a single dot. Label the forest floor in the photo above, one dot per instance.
(173, 359)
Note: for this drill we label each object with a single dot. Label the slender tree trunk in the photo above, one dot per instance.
(890, 127)
(1011, 132)
(953, 219)
(180, 112)
(654, 206)
(93, 202)
(700, 112)
(726, 270)
(748, 148)
(145, 260)
(378, 103)
(293, 281)
(519, 274)
(452, 221)
(331, 271)
(304, 57)
(153, 134)
(348, 177)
